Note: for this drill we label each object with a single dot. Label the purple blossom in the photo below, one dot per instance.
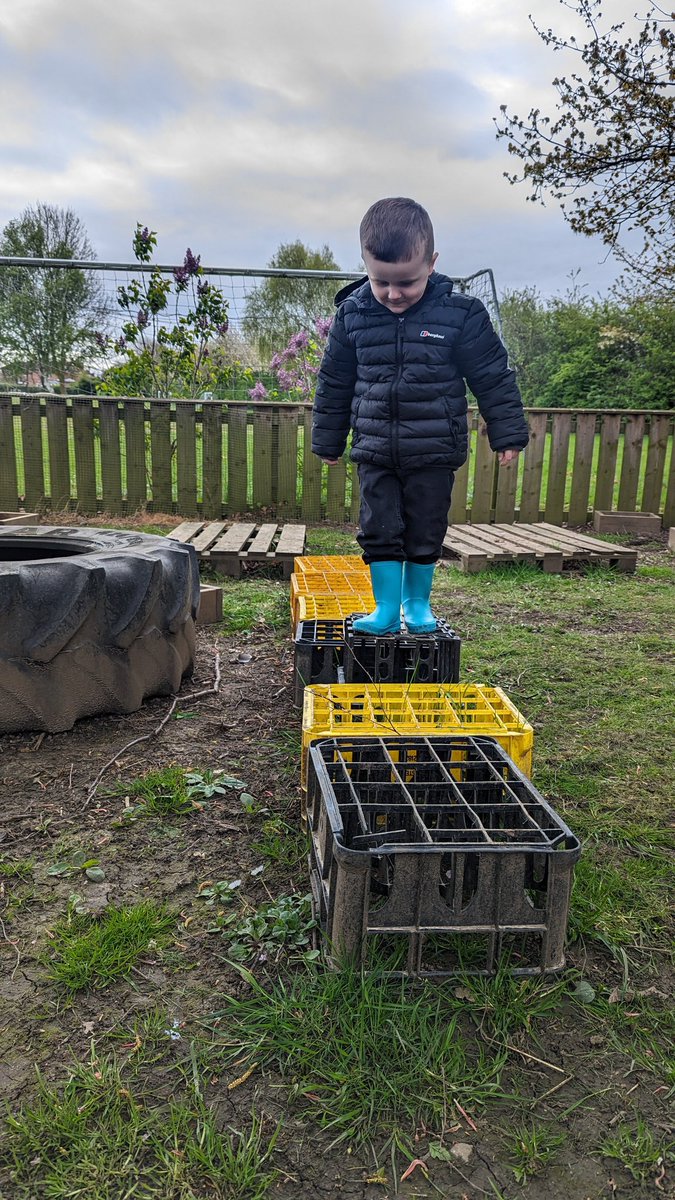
(259, 392)
(276, 362)
(202, 287)
(190, 263)
(120, 344)
(100, 339)
(322, 325)
(286, 380)
(298, 341)
(145, 236)
(181, 275)
(224, 326)
(142, 318)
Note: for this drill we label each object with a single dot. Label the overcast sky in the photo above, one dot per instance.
(232, 127)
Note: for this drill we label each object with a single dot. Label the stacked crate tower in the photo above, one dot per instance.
(431, 852)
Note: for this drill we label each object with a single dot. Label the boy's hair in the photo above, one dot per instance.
(395, 229)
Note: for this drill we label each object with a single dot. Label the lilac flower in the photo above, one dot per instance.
(120, 344)
(202, 287)
(276, 362)
(322, 325)
(145, 236)
(224, 326)
(259, 392)
(299, 341)
(100, 339)
(181, 275)
(190, 263)
(286, 380)
(142, 318)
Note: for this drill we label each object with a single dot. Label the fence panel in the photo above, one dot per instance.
(534, 466)
(262, 458)
(584, 444)
(610, 428)
(57, 449)
(111, 460)
(561, 428)
(186, 455)
(9, 484)
(31, 439)
(123, 450)
(212, 460)
(85, 463)
(287, 464)
(656, 462)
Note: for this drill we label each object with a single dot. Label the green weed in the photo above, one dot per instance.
(281, 928)
(163, 793)
(14, 868)
(91, 953)
(638, 1150)
(97, 1139)
(531, 1148)
(281, 844)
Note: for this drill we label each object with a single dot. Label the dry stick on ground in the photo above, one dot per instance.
(158, 728)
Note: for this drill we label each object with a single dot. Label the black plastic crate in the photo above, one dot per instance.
(438, 850)
(319, 654)
(402, 657)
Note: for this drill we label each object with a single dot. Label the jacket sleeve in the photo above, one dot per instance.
(483, 361)
(334, 392)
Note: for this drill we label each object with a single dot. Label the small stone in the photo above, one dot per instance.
(462, 1151)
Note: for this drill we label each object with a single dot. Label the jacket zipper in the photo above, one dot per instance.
(394, 393)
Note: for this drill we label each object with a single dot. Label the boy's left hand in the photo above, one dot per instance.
(507, 456)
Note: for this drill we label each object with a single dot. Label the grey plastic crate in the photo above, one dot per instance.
(437, 855)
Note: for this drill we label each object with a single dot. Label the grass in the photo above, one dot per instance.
(92, 953)
(99, 1138)
(360, 1056)
(163, 793)
(531, 1147)
(637, 1148)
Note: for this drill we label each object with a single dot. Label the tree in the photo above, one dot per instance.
(49, 316)
(279, 306)
(609, 154)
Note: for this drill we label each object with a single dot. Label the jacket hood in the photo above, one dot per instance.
(360, 290)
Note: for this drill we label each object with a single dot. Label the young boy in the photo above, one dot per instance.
(399, 351)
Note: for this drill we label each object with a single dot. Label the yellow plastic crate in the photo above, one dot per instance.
(329, 563)
(333, 608)
(316, 583)
(355, 710)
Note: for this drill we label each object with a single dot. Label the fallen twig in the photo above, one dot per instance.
(158, 728)
(13, 944)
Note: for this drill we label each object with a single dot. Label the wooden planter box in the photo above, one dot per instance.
(646, 524)
(19, 518)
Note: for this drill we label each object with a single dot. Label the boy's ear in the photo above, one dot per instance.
(433, 260)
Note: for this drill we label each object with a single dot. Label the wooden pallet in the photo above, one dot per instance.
(228, 548)
(548, 546)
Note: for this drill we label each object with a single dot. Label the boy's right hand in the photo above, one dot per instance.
(332, 462)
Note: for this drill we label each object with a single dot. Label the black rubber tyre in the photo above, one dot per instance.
(91, 621)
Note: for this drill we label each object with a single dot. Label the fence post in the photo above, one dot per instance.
(31, 437)
(59, 458)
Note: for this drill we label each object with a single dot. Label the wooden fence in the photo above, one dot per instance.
(217, 458)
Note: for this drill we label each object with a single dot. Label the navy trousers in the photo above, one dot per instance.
(404, 514)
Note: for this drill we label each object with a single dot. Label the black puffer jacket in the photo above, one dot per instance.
(398, 380)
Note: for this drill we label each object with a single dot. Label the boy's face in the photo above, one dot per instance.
(399, 285)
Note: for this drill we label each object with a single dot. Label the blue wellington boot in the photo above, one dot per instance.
(417, 580)
(386, 580)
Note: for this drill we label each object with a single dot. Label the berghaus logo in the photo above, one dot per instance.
(427, 333)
